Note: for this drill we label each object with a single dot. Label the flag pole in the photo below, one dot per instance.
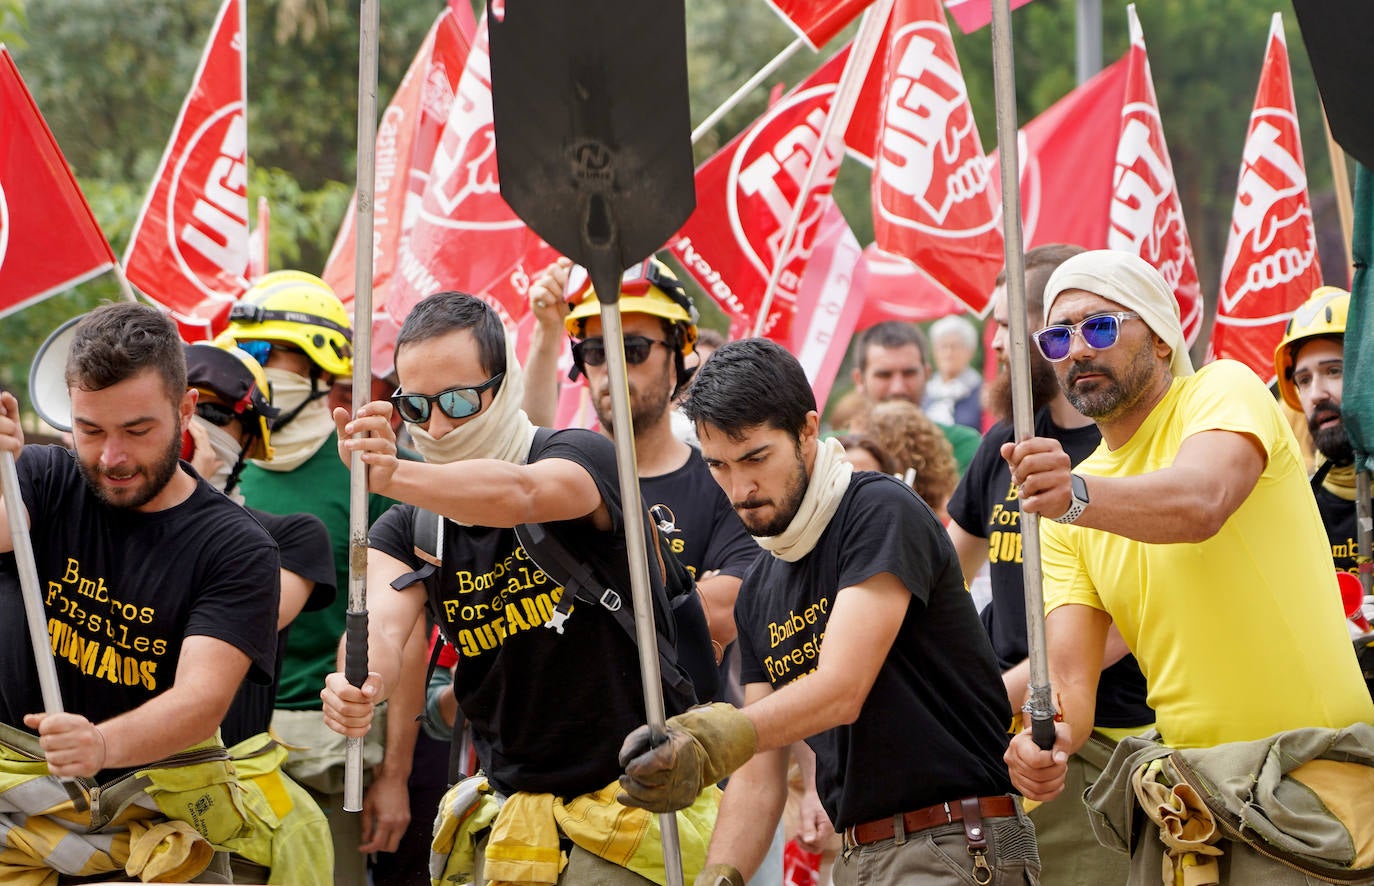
(355, 644)
(1040, 705)
(31, 591)
(1340, 182)
(125, 289)
(861, 53)
(747, 87)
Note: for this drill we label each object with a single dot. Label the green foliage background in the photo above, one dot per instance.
(110, 76)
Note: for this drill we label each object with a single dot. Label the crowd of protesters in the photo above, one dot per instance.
(1213, 725)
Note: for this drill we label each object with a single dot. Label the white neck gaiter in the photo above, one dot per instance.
(827, 485)
(296, 441)
(227, 452)
(501, 431)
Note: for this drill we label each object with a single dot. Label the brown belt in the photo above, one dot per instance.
(1001, 806)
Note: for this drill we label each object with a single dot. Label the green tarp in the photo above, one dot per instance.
(1357, 401)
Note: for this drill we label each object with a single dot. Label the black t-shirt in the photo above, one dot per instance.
(1338, 516)
(122, 589)
(986, 505)
(548, 711)
(933, 727)
(695, 515)
(304, 547)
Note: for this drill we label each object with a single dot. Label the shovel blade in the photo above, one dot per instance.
(593, 126)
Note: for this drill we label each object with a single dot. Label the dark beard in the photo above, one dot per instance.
(159, 474)
(792, 499)
(647, 408)
(1332, 442)
(1114, 396)
(1044, 387)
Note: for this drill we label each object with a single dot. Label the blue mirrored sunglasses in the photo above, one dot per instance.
(1098, 332)
(458, 402)
(261, 350)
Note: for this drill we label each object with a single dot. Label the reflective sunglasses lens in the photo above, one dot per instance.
(1100, 332)
(460, 402)
(1054, 342)
(257, 349)
(413, 408)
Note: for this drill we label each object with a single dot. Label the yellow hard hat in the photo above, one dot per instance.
(233, 385)
(300, 309)
(647, 288)
(1323, 314)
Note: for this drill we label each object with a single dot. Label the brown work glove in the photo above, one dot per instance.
(703, 745)
(719, 875)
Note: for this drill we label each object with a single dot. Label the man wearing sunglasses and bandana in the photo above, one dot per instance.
(1192, 530)
(294, 325)
(548, 700)
(985, 528)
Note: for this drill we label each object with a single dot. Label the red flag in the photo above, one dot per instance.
(1146, 215)
(827, 310)
(970, 15)
(1271, 263)
(816, 21)
(49, 240)
(1066, 179)
(465, 236)
(931, 200)
(892, 288)
(407, 137)
(189, 247)
(745, 197)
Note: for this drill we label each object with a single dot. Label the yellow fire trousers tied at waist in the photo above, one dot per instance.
(158, 823)
(523, 846)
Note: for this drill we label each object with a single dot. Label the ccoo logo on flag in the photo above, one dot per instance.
(766, 176)
(930, 161)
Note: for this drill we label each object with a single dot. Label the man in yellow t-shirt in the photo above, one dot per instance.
(1191, 528)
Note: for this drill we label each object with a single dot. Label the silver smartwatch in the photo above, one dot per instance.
(1078, 491)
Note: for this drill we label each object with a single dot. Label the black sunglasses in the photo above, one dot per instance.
(592, 351)
(459, 402)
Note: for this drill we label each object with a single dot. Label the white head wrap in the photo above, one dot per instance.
(501, 431)
(1131, 282)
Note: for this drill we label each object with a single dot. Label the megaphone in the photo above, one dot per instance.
(48, 377)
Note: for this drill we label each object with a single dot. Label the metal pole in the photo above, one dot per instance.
(1340, 184)
(1364, 530)
(627, 469)
(861, 54)
(355, 655)
(1089, 44)
(747, 87)
(31, 591)
(1040, 706)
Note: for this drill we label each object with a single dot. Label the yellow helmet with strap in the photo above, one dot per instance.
(299, 309)
(647, 288)
(1322, 315)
